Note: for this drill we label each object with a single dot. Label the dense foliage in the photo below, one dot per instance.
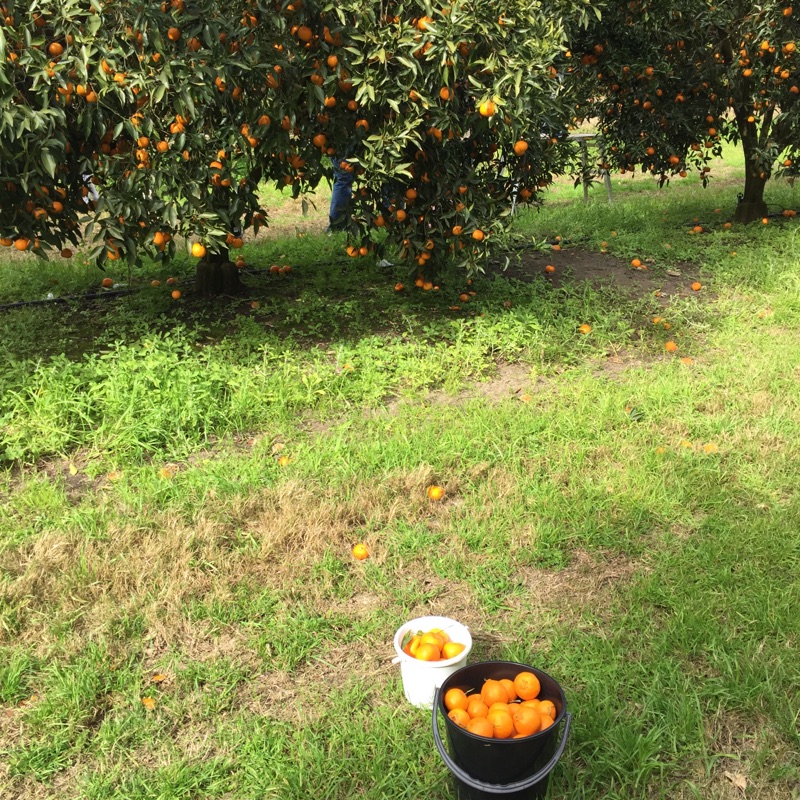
(176, 111)
(668, 81)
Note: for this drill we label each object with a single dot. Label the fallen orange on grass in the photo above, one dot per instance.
(360, 551)
(435, 492)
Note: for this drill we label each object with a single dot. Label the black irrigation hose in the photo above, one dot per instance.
(67, 299)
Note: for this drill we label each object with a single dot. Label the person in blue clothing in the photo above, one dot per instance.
(341, 194)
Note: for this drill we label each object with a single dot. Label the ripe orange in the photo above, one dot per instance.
(55, 49)
(487, 108)
(585, 329)
(455, 698)
(480, 726)
(107, 283)
(527, 686)
(520, 147)
(546, 722)
(21, 243)
(460, 717)
(636, 263)
(510, 689)
(398, 287)
(428, 652)
(502, 724)
(155, 283)
(526, 720)
(478, 235)
(360, 551)
(493, 691)
(546, 707)
(176, 294)
(198, 250)
(549, 269)
(435, 492)
(476, 707)
(452, 649)
(697, 286)
(671, 347)
(411, 195)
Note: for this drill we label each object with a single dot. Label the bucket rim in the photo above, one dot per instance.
(451, 679)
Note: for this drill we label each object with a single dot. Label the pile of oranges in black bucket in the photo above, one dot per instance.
(502, 721)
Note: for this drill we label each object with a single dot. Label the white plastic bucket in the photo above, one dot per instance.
(421, 679)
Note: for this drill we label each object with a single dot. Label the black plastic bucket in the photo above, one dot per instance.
(517, 769)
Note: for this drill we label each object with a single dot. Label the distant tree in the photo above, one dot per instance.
(669, 80)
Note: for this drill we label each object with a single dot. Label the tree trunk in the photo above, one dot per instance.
(217, 274)
(752, 205)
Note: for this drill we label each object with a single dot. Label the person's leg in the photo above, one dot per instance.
(341, 194)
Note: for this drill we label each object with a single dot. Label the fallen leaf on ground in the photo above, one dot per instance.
(737, 779)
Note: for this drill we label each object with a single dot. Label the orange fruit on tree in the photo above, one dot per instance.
(502, 724)
(173, 34)
(198, 250)
(460, 717)
(455, 698)
(360, 551)
(478, 235)
(55, 49)
(527, 720)
(493, 691)
(480, 726)
(520, 147)
(21, 243)
(476, 707)
(487, 108)
(527, 686)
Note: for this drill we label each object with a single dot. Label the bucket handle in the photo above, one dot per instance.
(507, 788)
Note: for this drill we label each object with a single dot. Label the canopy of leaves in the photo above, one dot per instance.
(176, 111)
(668, 81)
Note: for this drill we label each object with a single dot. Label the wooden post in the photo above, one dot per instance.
(585, 169)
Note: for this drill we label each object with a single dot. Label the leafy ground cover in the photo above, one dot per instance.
(180, 615)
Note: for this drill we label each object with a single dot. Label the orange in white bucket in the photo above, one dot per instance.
(422, 678)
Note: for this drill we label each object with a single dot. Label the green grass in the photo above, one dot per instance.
(647, 560)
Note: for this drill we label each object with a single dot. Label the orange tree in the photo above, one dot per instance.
(175, 112)
(667, 82)
(438, 109)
